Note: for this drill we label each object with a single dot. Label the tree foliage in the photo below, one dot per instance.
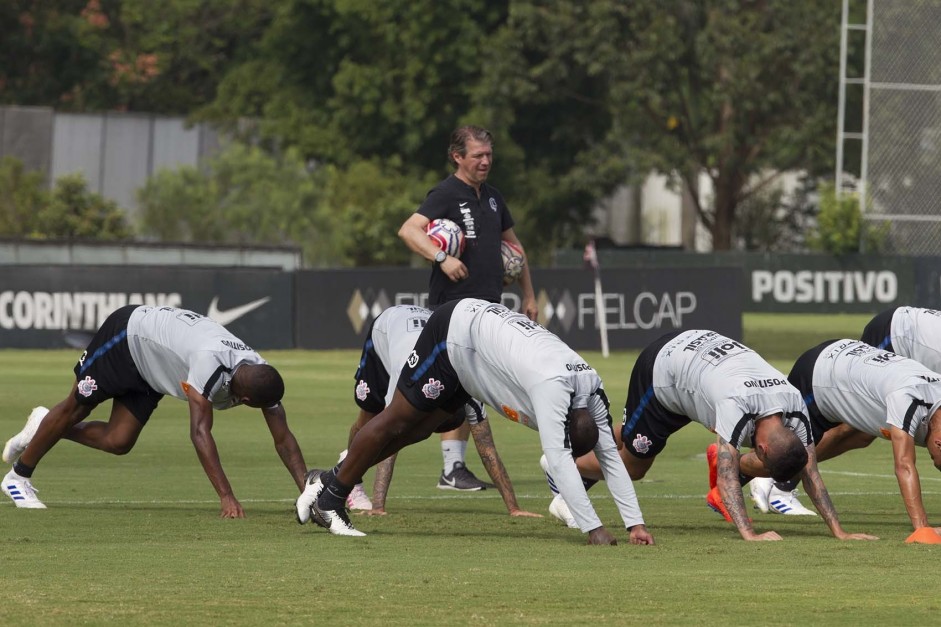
(841, 228)
(582, 96)
(69, 211)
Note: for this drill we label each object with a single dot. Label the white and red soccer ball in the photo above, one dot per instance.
(513, 261)
(447, 235)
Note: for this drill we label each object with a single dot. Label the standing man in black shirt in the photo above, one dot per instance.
(466, 198)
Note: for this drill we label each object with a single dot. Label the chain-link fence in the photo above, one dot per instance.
(903, 171)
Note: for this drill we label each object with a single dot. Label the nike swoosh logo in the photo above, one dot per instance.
(450, 482)
(226, 316)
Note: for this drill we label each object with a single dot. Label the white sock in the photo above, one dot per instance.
(452, 451)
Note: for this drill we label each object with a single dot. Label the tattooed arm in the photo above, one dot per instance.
(380, 486)
(730, 488)
(483, 439)
(813, 485)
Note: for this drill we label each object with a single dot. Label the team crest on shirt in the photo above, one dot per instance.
(362, 390)
(432, 389)
(412, 359)
(641, 443)
(493, 204)
(86, 387)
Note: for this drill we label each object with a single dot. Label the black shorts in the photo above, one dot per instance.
(802, 377)
(106, 370)
(647, 423)
(372, 378)
(428, 380)
(878, 332)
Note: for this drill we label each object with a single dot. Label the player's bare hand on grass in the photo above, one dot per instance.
(601, 536)
(640, 535)
(858, 536)
(521, 513)
(231, 508)
(768, 536)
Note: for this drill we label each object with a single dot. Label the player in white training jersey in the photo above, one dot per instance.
(854, 389)
(137, 356)
(473, 348)
(703, 376)
(390, 339)
(908, 331)
(911, 332)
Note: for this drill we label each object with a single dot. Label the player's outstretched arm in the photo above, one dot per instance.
(903, 449)
(817, 491)
(201, 436)
(286, 444)
(730, 488)
(483, 439)
(380, 486)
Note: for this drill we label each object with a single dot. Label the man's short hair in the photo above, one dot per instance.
(583, 432)
(461, 135)
(787, 456)
(261, 384)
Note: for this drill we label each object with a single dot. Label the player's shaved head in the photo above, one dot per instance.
(583, 432)
(786, 455)
(258, 385)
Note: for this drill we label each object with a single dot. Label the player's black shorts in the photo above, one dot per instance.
(647, 423)
(428, 380)
(802, 377)
(106, 370)
(372, 378)
(878, 332)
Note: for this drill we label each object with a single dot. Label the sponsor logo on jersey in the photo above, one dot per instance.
(510, 413)
(641, 443)
(885, 433)
(237, 345)
(578, 367)
(470, 229)
(432, 389)
(87, 386)
(362, 390)
(764, 383)
(412, 359)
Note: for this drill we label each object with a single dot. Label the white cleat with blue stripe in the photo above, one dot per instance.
(21, 491)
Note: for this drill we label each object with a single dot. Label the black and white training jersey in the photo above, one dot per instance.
(871, 389)
(174, 348)
(916, 334)
(532, 377)
(393, 336)
(483, 217)
(725, 386)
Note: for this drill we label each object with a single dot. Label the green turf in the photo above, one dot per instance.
(137, 540)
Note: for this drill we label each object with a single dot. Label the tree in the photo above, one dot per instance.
(22, 197)
(732, 89)
(74, 212)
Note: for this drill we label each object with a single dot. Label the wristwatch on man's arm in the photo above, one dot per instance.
(440, 256)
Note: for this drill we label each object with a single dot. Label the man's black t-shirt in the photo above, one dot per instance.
(483, 221)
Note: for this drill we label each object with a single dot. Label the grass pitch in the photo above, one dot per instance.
(137, 539)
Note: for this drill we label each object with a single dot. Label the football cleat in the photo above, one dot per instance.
(760, 491)
(462, 479)
(313, 486)
(358, 499)
(560, 510)
(714, 501)
(712, 453)
(18, 443)
(336, 521)
(786, 503)
(21, 490)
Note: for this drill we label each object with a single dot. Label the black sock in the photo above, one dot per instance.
(23, 470)
(334, 496)
(787, 486)
(588, 483)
